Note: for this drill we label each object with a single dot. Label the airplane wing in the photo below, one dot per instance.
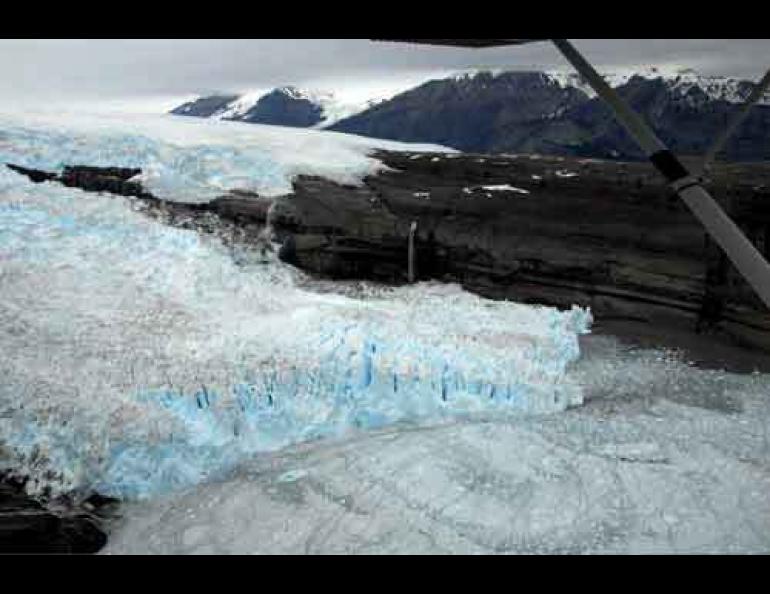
(472, 43)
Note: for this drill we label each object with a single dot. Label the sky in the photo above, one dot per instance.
(152, 72)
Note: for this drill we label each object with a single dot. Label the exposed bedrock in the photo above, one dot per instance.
(31, 526)
(545, 230)
(541, 230)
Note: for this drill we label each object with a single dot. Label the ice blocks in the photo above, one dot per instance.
(139, 359)
(187, 159)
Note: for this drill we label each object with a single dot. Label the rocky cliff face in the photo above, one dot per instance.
(541, 230)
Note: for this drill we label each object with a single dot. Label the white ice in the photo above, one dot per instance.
(663, 459)
(505, 188)
(190, 159)
(140, 359)
(333, 107)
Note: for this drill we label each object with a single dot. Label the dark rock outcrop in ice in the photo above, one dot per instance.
(28, 525)
(35, 175)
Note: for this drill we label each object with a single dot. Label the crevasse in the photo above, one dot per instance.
(139, 359)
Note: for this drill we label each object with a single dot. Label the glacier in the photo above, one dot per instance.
(248, 408)
(187, 159)
(630, 472)
(140, 359)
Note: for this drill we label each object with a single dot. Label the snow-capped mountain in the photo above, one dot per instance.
(470, 111)
(552, 112)
(686, 110)
(556, 113)
(284, 106)
(679, 80)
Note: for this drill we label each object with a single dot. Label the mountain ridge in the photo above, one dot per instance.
(285, 106)
(549, 112)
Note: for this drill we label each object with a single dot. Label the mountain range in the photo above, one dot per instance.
(521, 112)
(284, 106)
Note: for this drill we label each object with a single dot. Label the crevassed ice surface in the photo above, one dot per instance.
(139, 359)
(661, 459)
(190, 159)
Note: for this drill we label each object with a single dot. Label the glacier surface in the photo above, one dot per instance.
(662, 459)
(143, 361)
(190, 159)
(140, 359)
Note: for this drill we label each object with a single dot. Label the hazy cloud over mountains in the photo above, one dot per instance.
(50, 71)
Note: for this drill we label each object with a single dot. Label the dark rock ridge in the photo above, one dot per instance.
(605, 235)
(482, 113)
(534, 112)
(28, 525)
(515, 112)
(35, 175)
(283, 107)
(687, 121)
(205, 107)
(531, 112)
(542, 230)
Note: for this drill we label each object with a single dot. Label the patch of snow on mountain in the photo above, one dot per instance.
(240, 106)
(333, 106)
(679, 80)
(505, 188)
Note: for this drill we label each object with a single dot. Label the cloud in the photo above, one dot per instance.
(49, 71)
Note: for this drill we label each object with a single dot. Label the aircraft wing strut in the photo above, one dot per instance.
(742, 253)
